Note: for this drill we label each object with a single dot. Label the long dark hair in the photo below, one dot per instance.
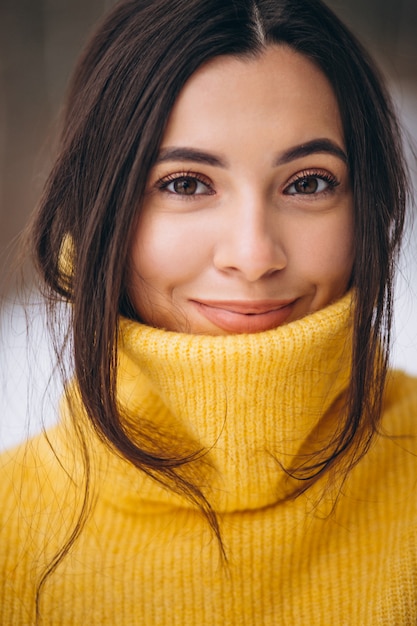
(120, 98)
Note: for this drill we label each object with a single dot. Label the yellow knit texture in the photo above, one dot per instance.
(255, 404)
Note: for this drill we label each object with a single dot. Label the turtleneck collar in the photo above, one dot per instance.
(251, 402)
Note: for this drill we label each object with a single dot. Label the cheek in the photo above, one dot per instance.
(328, 251)
(167, 252)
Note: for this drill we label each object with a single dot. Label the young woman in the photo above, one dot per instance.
(223, 218)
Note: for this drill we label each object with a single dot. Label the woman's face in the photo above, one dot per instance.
(247, 219)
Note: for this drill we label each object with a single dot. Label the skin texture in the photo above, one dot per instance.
(247, 219)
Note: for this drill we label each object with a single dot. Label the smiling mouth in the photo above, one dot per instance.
(237, 316)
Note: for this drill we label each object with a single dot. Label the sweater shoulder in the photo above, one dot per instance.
(26, 469)
(400, 405)
(36, 477)
(39, 507)
(389, 468)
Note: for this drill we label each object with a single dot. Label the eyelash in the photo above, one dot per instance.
(321, 175)
(306, 175)
(163, 183)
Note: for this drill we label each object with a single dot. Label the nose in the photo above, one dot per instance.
(250, 243)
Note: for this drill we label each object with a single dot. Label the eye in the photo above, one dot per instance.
(311, 183)
(185, 185)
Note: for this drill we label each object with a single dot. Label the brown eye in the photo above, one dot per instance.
(306, 185)
(311, 184)
(185, 186)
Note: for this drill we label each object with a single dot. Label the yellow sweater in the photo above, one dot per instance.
(146, 556)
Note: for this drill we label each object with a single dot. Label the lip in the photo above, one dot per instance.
(245, 316)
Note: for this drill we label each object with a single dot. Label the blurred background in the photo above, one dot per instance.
(39, 42)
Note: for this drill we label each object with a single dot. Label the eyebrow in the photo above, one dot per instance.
(190, 154)
(316, 146)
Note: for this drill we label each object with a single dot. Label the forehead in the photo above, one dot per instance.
(275, 92)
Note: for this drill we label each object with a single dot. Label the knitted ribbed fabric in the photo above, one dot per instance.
(147, 556)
